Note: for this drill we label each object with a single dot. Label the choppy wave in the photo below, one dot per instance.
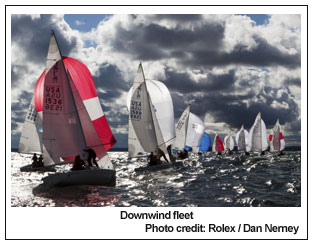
(206, 181)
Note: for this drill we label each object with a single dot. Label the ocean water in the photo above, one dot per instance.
(206, 181)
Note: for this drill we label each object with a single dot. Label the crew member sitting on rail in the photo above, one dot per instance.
(78, 163)
(34, 161)
(152, 159)
(40, 161)
(91, 156)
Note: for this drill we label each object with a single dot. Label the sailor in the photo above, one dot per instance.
(78, 163)
(152, 159)
(247, 153)
(35, 161)
(161, 154)
(40, 161)
(91, 156)
(183, 154)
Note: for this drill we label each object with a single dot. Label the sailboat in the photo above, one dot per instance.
(228, 143)
(151, 119)
(205, 143)
(217, 145)
(277, 142)
(189, 131)
(257, 135)
(66, 102)
(241, 139)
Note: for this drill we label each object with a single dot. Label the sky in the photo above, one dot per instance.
(229, 67)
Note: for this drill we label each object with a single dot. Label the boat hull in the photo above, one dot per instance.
(104, 177)
(29, 168)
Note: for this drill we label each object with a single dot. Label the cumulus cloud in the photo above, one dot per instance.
(226, 66)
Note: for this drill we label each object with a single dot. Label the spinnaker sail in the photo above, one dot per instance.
(205, 143)
(217, 145)
(228, 143)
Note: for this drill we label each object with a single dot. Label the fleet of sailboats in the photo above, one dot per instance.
(65, 117)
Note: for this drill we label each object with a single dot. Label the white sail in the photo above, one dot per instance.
(195, 131)
(163, 108)
(181, 129)
(241, 139)
(257, 135)
(147, 126)
(62, 132)
(31, 137)
(228, 143)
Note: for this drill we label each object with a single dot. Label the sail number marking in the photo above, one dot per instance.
(53, 100)
(135, 110)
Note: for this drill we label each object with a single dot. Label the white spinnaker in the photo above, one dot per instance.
(181, 129)
(163, 107)
(228, 143)
(195, 131)
(62, 132)
(257, 135)
(141, 125)
(241, 139)
(31, 137)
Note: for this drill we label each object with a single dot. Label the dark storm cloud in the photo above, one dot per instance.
(34, 36)
(197, 47)
(111, 81)
(152, 42)
(262, 55)
(176, 17)
(183, 83)
(293, 81)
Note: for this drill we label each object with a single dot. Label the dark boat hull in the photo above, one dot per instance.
(104, 177)
(29, 168)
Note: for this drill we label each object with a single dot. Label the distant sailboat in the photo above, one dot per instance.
(277, 142)
(151, 117)
(189, 131)
(228, 143)
(72, 119)
(241, 139)
(257, 135)
(205, 143)
(217, 145)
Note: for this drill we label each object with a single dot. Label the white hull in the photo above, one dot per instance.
(104, 177)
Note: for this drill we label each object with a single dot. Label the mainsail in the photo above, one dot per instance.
(228, 142)
(31, 137)
(257, 135)
(181, 129)
(277, 142)
(241, 139)
(150, 112)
